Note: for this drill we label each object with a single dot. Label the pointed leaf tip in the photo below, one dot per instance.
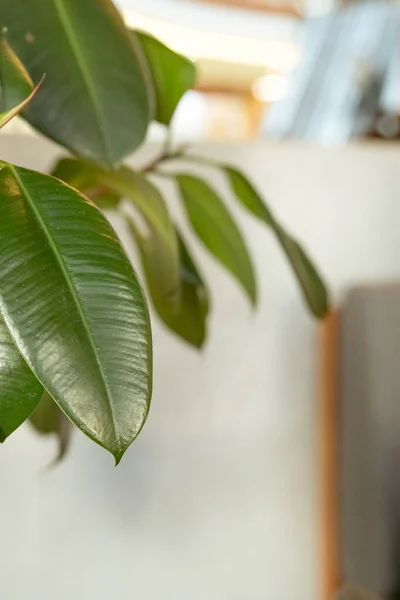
(309, 280)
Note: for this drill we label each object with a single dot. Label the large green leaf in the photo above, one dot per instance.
(189, 321)
(172, 75)
(310, 281)
(215, 227)
(95, 97)
(20, 391)
(73, 306)
(145, 198)
(48, 419)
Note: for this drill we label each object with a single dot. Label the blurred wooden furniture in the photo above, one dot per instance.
(329, 456)
(361, 442)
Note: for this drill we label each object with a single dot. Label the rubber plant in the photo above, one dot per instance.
(75, 335)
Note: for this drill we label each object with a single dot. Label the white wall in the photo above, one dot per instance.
(218, 498)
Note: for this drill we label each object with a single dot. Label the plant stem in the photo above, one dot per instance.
(179, 153)
(165, 156)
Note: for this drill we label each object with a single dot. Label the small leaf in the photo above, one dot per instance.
(246, 193)
(73, 306)
(20, 391)
(5, 117)
(216, 228)
(172, 75)
(310, 281)
(48, 419)
(95, 99)
(16, 87)
(105, 200)
(15, 82)
(189, 321)
(191, 276)
(144, 197)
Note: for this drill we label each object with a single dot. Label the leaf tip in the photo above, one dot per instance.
(118, 456)
(199, 344)
(252, 293)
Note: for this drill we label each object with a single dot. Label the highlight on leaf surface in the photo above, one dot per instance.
(73, 306)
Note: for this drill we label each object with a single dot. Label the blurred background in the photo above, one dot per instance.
(220, 496)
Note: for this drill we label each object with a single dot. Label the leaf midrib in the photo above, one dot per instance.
(71, 287)
(65, 21)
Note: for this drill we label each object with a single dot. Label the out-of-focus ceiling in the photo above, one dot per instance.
(232, 47)
(299, 8)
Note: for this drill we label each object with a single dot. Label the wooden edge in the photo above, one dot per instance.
(329, 463)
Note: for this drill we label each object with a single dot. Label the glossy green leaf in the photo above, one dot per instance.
(73, 306)
(216, 228)
(310, 281)
(172, 75)
(145, 198)
(189, 321)
(48, 419)
(20, 391)
(95, 97)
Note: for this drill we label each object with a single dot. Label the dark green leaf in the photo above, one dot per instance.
(191, 276)
(73, 306)
(310, 281)
(215, 227)
(144, 197)
(48, 419)
(20, 391)
(308, 277)
(172, 75)
(189, 322)
(95, 98)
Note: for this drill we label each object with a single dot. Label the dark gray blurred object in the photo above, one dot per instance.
(349, 74)
(351, 593)
(369, 471)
